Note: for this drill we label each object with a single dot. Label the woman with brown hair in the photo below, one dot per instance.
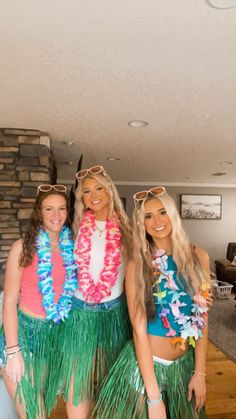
(41, 277)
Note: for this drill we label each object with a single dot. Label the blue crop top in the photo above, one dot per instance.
(177, 314)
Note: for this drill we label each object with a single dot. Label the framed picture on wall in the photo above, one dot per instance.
(200, 207)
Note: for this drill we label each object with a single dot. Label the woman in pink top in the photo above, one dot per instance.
(39, 283)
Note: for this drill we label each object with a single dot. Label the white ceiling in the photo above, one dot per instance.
(81, 70)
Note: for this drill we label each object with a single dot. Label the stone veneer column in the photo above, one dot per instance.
(26, 161)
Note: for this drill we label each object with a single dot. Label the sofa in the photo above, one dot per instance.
(225, 270)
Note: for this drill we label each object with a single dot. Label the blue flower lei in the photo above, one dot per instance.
(60, 311)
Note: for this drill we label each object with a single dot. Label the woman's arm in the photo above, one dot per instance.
(205, 262)
(142, 346)
(14, 365)
(197, 383)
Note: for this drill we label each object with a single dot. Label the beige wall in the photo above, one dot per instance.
(212, 235)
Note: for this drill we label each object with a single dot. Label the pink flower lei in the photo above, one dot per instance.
(92, 292)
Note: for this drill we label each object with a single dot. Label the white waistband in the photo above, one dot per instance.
(163, 361)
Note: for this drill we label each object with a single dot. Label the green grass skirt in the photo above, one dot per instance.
(123, 390)
(38, 339)
(92, 341)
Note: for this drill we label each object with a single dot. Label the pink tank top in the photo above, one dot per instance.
(30, 296)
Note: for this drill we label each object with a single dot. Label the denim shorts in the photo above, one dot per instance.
(106, 306)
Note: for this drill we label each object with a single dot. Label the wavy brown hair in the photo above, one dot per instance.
(28, 244)
(186, 259)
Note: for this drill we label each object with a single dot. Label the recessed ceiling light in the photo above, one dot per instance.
(226, 163)
(67, 142)
(113, 158)
(219, 174)
(137, 124)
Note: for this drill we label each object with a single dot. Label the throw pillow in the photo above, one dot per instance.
(233, 263)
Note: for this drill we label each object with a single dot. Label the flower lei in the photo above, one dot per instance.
(191, 326)
(108, 276)
(59, 311)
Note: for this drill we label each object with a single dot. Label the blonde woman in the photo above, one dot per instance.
(99, 325)
(161, 374)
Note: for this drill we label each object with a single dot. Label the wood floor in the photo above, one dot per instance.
(221, 385)
(221, 388)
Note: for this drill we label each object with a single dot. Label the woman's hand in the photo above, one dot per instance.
(197, 387)
(157, 411)
(209, 299)
(15, 368)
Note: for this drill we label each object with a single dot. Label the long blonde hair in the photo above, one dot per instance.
(115, 206)
(186, 259)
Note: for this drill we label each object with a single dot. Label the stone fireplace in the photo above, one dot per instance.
(26, 161)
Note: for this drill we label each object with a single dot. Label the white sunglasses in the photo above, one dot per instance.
(95, 170)
(140, 196)
(48, 188)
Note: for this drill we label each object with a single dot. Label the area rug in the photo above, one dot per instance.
(222, 326)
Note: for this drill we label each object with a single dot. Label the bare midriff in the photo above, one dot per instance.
(30, 313)
(164, 348)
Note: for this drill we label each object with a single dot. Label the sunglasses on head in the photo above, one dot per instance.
(48, 188)
(95, 170)
(140, 196)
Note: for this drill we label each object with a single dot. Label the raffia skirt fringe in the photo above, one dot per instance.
(92, 341)
(38, 339)
(123, 396)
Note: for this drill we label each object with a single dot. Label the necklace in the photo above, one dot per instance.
(191, 324)
(54, 244)
(107, 279)
(59, 311)
(100, 230)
